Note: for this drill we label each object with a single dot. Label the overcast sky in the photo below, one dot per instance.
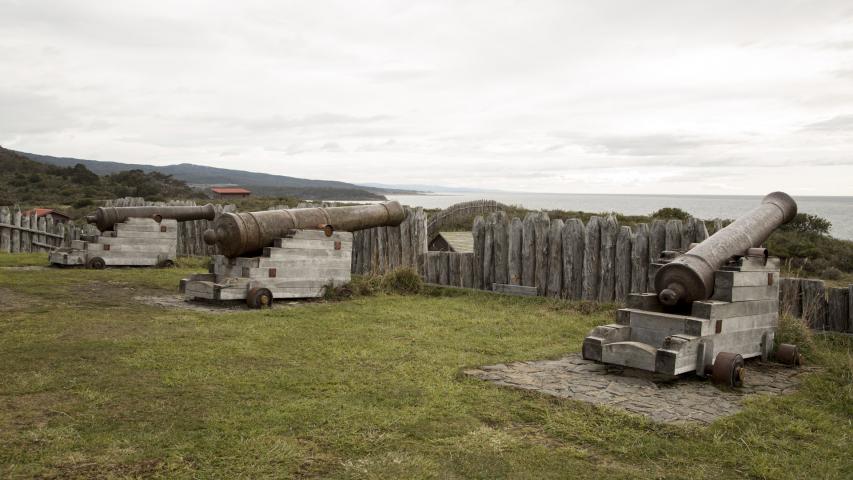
(704, 97)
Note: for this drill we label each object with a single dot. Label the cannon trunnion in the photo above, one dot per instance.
(713, 306)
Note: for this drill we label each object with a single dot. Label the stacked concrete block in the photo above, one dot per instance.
(135, 242)
(301, 265)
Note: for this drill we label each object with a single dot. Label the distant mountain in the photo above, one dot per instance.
(259, 183)
(30, 183)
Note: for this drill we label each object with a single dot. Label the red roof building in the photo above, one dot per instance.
(230, 192)
(48, 212)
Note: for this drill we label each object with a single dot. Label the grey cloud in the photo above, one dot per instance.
(279, 122)
(27, 113)
(656, 145)
(840, 123)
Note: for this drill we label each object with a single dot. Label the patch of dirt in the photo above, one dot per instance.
(26, 268)
(207, 306)
(685, 398)
(11, 300)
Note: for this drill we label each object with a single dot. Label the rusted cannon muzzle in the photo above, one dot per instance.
(690, 277)
(239, 233)
(105, 218)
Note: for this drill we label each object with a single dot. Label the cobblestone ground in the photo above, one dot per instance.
(662, 399)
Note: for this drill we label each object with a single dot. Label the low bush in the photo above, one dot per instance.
(402, 280)
(794, 330)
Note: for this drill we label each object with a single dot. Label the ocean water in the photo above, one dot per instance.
(838, 210)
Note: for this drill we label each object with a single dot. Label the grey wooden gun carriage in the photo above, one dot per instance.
(715, 305)
(279, 254)
(131, 236)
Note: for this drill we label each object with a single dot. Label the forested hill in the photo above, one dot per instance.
(259, 183)
(29, 183)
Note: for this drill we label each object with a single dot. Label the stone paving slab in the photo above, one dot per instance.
(686, 398)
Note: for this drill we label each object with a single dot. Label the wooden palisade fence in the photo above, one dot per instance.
(28, 233)
(598, 261)
(21, 233)
(383, 249)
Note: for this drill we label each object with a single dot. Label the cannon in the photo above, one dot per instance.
(714, 306)
(131, 236)
(690, 277)
(105, 218)
(278, 254)
(240, 233)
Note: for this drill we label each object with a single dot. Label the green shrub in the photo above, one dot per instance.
(794, 330)
(670, 213)
(402, 280)
(831, 273)
(83, 202)
(808, 223)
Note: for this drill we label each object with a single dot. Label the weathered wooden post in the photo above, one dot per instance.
(673, 235)
(479, 233)
(555, 259)
(528, 250)
(790, 297)
(500, 237)
(467, 269)
(444, 268)
(542, 224)
(623, 264)
(607, 279)
(26, 242)
(592, 258)
(657, 244)
(489, 252)
(406, 239)
(5, 232)
(700, 231)
(573, 252)
(640, 258)
(850, 308)
(16, 233)
(814, 303)
(514, 258)
(837, 309)
(688, 233)
(454, 269)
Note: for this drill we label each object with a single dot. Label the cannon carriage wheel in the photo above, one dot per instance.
(259, 298)
(789, 355)
(728, 369)
(96, 263)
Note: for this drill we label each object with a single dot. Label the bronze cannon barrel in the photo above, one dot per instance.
(239, 233)
(105, 218)
(690, 277)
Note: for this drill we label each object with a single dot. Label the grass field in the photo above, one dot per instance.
(95, 384)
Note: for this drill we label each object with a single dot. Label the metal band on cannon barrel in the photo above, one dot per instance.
(239, 233)
(105, 218)
(690, 277)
